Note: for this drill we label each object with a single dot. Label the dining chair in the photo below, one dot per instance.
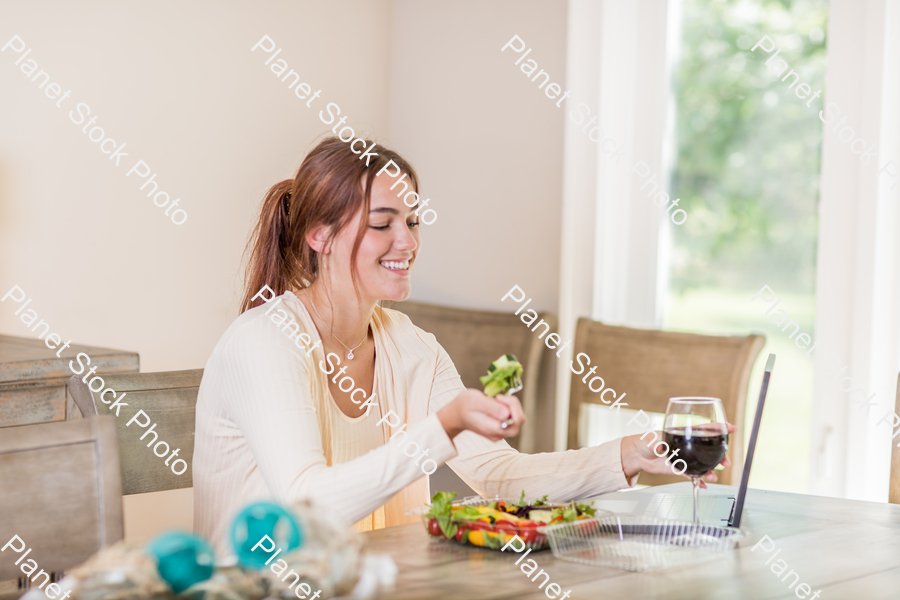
(894, 493)
(61, 495)
(168, 399)
(474, 339)
(651, 366)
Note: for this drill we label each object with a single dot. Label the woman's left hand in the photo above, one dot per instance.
(637, 456)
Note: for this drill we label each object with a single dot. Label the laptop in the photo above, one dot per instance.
(715, 509)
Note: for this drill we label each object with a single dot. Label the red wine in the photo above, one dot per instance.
(701, 450)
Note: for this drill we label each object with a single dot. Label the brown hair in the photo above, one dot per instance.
(325, 191)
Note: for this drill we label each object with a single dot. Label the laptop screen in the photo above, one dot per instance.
(751, 448)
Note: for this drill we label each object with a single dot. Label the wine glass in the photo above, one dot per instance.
(696, 429)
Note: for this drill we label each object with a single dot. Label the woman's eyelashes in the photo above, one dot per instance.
(409, 224)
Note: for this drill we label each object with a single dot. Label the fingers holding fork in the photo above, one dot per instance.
(516, 410)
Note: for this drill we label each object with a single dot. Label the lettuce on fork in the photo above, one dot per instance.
(503, 374)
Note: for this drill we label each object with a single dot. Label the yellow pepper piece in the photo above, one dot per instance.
(500, 516)
(475, 537)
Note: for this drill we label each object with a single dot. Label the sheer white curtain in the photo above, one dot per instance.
(613, 235)
(858, 273)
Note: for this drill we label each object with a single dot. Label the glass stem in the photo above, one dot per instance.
(696, 481)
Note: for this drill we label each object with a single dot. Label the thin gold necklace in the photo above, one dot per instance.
(349, 350)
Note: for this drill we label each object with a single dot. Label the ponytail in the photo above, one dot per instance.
(270, 241)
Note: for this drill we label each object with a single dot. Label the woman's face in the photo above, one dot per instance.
(388, 248)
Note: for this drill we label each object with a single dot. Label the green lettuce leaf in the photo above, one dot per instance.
(503, 374)
(441, 508)
(586, 509)
(467, 513)
(490, 541)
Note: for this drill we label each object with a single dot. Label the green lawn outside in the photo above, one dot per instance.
(782, 455)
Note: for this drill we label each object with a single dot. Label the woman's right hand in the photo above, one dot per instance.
(472, 410)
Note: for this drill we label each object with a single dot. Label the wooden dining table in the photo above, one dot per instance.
(846, 549)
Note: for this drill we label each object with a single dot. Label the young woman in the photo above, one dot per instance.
(280, 413)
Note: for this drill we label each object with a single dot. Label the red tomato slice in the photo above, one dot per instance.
(528, 524)
(528, 535)
(433, 528)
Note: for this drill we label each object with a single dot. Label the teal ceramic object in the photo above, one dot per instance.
(255, 524)
(182, 559)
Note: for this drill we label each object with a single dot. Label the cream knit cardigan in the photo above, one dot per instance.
(262, 431)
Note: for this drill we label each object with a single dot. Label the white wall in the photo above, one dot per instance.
(487, 144)
(178, 84)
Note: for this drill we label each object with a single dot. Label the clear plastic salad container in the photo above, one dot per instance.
(492, 523)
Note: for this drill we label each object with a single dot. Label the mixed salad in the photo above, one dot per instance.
(503, 374)
(492, 523)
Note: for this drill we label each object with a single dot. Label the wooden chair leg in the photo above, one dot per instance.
(55, 576)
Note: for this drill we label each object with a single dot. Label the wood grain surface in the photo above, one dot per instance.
(60, 492)
(169, 399)
(33, 379)
(848, 549)
(894, 490)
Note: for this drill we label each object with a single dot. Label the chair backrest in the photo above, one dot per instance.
(651, 366)
(168, 401)
(61, 493)
(894, 494)
(476, 338)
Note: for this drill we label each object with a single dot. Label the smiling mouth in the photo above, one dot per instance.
(395, 265)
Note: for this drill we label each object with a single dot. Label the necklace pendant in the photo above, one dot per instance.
(350, 355)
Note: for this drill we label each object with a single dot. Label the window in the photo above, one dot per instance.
(747, 173)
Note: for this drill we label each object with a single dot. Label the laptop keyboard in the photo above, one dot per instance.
(680, 507)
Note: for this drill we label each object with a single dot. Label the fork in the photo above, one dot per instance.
(517, 386)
